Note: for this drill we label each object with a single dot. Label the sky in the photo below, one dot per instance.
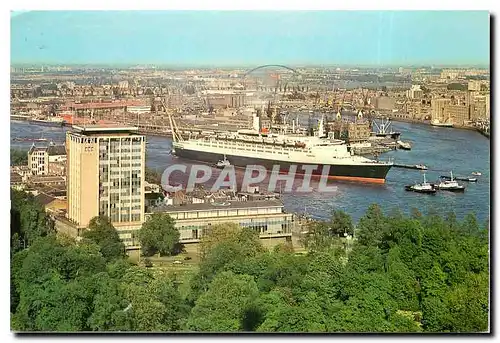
(251, 37)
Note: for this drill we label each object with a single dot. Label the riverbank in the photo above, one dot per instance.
(484, 133)
(426, 122)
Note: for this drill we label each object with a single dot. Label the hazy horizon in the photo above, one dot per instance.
(250, 38)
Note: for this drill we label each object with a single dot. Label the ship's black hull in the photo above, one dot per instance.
(363, 173)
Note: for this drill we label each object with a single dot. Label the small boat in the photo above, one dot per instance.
(450, 185)
(404, 145)
(424, 187)
(467, 179)
(476, 173)
(420, 166)
(436, 122)
(41, 139)
(223, 163)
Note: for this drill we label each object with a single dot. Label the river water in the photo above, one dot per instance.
(441, 149)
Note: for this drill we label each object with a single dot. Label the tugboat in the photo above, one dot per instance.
(404, 145)
(467, 179)
(450, 185)
(421, 166)
(424, 187)
(223, 163)
(476, 173)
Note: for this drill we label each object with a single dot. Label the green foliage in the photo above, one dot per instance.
(301, 318)
(404, 274)
(371, 227)
(341, 224)
(216, 234)
(324, 235)
(101, 231)
(319, 237)
(18, 157)
(456, 87)
(226, 305)
(152, 176)
(28, 220)
(159, 235)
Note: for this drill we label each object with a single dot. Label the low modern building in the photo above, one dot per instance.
(264, 216)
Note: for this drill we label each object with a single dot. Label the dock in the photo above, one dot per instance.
(18, 117)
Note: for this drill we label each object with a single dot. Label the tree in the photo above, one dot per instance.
(371, 226)
(152, 176)
(151, 303)
(232, 253)
(28, 220)
(226, 304)
(159, 235)
(319, 237)
(341, 223)
(18, 157)
(302, 318)
(109, 306)
(217, 234)
(404, 274)
(101, 231)
(47, 277)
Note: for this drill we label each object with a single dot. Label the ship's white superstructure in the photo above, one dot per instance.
(255, 147)
(292, 148)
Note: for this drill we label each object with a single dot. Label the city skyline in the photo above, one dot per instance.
(215, 38)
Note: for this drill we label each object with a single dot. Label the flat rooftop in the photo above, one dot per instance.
(104, 129)
(233, 205)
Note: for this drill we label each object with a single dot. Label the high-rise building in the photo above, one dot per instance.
(438, 106)
(105, 176)
(415, 92)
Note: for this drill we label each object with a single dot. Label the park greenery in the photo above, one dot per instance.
(18, 157)
(152, 176)
(388, 273)
(457, 87)
(158, 235)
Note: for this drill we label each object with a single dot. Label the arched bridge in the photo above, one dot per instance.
(270, 65)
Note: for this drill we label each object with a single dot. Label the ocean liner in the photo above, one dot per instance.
(255, 147)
